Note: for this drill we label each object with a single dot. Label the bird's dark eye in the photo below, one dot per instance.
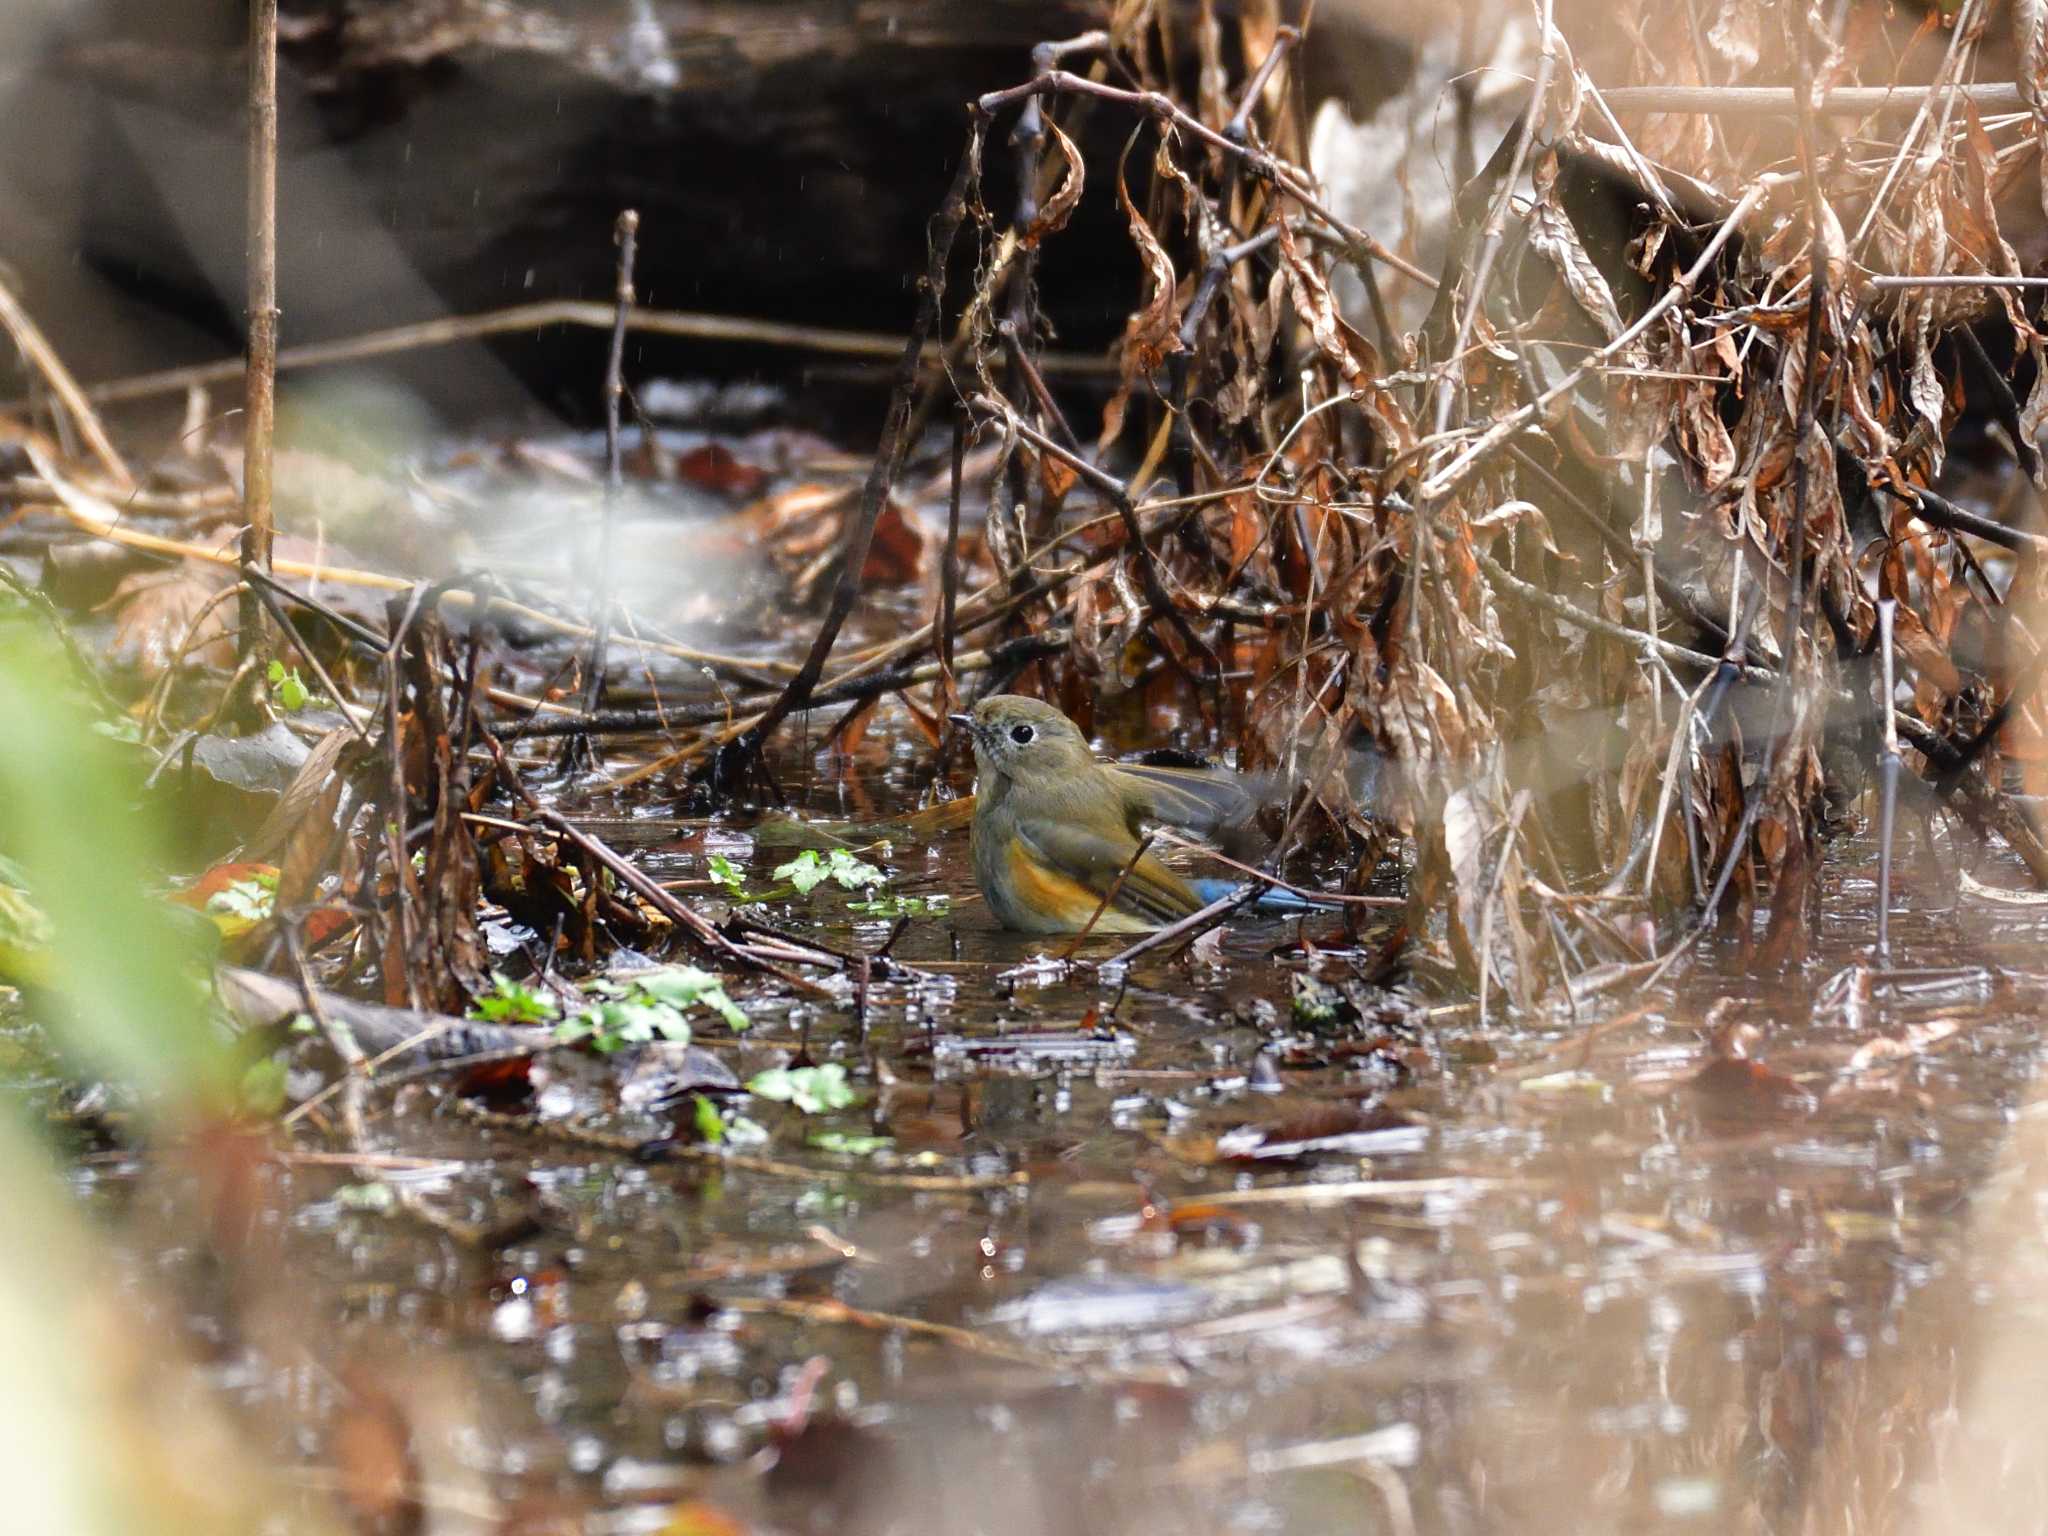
(1022, 734)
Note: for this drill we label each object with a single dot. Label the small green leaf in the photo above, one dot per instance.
(289, 688)
(648, 1005)
(806, 871)
(513, 1002)
(263, 1086)
(902, 906)
(852, 873)
(685, 986)
(810, 869)
(813, 1090)
(710, 1123)
(727, 874)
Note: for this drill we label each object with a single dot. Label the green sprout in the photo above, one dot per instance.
(648, 1006)
(727, 874)
(813, 1090)
(288, 688)
(892, 905)
(811, 869)
(513, 1002)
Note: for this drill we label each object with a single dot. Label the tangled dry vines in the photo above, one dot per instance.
(1568, 603)
(1578, 586)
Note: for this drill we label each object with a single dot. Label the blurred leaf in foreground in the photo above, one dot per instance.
(126, 975)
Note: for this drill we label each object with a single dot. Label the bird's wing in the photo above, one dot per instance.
(1203, 800)
(1093, 861)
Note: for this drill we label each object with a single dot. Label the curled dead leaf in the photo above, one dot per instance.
(164, 619)
(1059, 208)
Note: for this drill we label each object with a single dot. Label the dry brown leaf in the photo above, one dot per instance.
(1736, 33)
(164, 619)
(1318, 310)
(1914, 1040)
(1554, 238)
(1152, 332)
(1701, 429)
(1923, 653)
(1052, 218)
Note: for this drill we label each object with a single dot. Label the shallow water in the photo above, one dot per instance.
(1595, 1275)
(1145, 1251)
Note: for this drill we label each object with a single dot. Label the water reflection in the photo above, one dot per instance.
(1734, 1255)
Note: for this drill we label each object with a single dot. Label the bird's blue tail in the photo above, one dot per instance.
(1272, 902)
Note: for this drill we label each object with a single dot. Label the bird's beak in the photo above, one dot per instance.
(963, 720)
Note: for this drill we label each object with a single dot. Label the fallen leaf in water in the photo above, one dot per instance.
(1863, 1226)
(1346, 1128)
(1196, 1218)
(1567, 1082)
(371, 1444)
(1913, 1041)
(1735, 1083)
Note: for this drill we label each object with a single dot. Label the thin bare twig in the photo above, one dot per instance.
(42, 357)
(626, 236)
(259, 412)
(538, 316)
(741, 754)
(1783, 100)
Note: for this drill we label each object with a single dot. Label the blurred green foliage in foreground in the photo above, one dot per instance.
(87, 1393)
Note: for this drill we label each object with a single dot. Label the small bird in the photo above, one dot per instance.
(1054, 829)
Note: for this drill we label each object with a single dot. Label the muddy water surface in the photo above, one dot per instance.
(1397, 1273)
(1182, 1247)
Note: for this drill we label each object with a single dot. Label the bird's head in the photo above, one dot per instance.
(1019, 737)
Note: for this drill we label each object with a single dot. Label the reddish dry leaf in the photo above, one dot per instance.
(712, 467)
(800, 520)
(1923, 653)
(1786, 939)
(1735, 1085)
(1058, 477)
(498, 1084)
(852, 728)
(234, 917)
(1311, 1129)
(1199, 1218)
(900, 549)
